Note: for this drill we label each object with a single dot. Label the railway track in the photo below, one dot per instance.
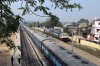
(40, 59)
(29, 56)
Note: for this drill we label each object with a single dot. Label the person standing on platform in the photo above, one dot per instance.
(19, 58)
(12, 59)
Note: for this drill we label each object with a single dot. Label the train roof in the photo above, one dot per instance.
(39, 35)
(66, 55)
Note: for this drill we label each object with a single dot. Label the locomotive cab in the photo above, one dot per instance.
(63, 36)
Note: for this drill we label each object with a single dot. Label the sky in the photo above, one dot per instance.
(91, 9)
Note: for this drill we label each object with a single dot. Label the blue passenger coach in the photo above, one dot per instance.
(55, 53)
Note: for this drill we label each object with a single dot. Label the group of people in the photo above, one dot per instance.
(12, 60)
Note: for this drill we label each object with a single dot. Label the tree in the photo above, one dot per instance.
(52, 23)
(34, 24)
(62, 4)
(41, 24)
(59, 24)
(74, 24)
(67, 31)
(30, 24)
(83, 22)
(8, 24)
(8, 18)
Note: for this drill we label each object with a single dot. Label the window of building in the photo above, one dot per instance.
(98, 30)
(96, 38)
(99, 23)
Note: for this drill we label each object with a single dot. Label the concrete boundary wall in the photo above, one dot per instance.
(86, 43)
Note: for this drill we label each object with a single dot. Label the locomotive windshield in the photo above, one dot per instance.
(55, 31)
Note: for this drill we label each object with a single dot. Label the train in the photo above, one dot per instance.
(55, 33)
(54, 52)
(65, 37)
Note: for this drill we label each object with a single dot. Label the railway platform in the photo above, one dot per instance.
(16, 54)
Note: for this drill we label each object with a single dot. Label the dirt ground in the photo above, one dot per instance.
(5, 53)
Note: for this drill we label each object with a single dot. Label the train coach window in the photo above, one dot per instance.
(46, 52)
(44, 49)
(60, 35)
(50, 55)
(66, 34)
(58, 64)
(54, 60)
(63, 34)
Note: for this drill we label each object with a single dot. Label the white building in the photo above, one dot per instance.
(65, 24)
(96, 29)
(59, 29)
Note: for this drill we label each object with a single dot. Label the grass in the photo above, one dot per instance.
(95, 52)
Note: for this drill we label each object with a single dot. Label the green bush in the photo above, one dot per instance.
(69, 33)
